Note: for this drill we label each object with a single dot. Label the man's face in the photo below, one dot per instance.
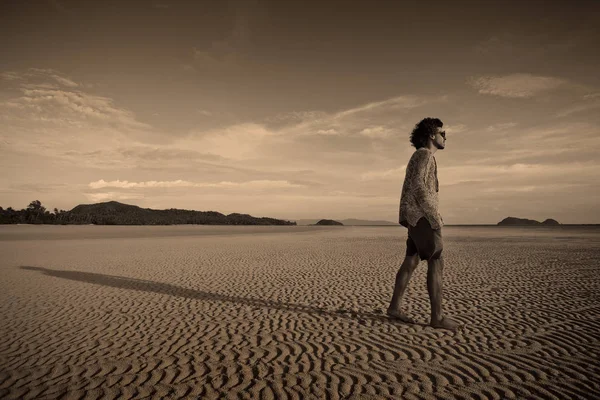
(440, 139)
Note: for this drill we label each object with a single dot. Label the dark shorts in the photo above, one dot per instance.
(424, 240)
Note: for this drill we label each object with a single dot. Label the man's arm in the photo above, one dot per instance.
(423, 165)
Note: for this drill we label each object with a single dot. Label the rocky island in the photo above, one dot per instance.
(329, 222)
(513, 221)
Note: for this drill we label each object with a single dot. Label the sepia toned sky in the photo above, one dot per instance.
(301, 109)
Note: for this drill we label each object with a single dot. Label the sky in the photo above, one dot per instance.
(302, 109)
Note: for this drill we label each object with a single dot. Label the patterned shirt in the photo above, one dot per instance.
(420, 191)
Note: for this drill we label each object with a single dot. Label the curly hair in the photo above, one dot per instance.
(422, 130)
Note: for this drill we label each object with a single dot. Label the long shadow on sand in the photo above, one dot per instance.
(121, 282)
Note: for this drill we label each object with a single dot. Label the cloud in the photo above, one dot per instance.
(80, 105)
(295, 117)
(240, 141)
(501, 126)
(523, 173)
(587, 103)
(327, 132)
(459, 128)
(167, 153)
(107, 196)
(130, 185)
(359, 120)
(395, 173)
(576, 137)
(305, 133)
(187, 67)
(377, 132)
(40, 187)
(50, 114)
(474, 182)
(394, 103)
(515, 85)
(254, 184)
(127, 155)
(306, 139)
(528, 188)
(64, 103)
(39, 75)
(10, 76)
(58, 77)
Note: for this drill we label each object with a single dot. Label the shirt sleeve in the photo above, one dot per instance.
(423, 165)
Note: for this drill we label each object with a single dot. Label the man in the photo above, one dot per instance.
(419, 213)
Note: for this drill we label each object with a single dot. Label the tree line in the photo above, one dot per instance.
(35, 213)
(114, 213)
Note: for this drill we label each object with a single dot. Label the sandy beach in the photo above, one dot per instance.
(294, 312)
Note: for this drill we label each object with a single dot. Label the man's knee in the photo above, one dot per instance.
(437, 254)
(433, 253)
(412, 261)
(436, 260)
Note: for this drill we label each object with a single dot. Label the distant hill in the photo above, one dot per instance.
(328, 222)
(512, 221)
(115, 213)
(550, 221)
(347, 222)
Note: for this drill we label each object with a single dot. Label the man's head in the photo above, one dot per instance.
(429, 130)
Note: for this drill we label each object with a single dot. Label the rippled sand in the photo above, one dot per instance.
(294, 312)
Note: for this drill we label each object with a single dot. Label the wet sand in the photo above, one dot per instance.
(294, 312)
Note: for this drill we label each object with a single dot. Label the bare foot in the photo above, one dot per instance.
(446, 323)
(400, 316)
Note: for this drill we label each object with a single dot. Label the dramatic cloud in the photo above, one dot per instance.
(390, 115)
(515, 85)
(48, 114)
(296, 164)
(62, 103)
(76, 105)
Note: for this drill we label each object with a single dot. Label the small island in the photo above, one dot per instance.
(351, 222)
(513, 221)
(329, 222)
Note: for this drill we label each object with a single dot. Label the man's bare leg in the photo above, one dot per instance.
(434, 287)
(402, 278)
